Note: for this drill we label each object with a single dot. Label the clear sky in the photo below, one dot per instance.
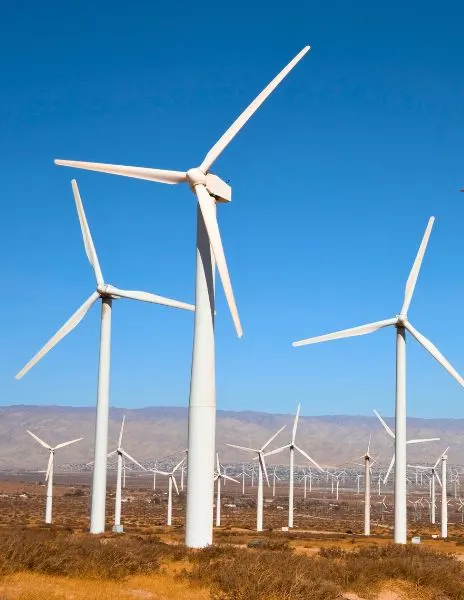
(333, 182)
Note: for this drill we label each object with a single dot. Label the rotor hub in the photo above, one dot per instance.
(196, 176)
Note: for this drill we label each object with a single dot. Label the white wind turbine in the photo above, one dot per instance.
(106, 293)
(121, 454)
(171, 481)
(444, 496)
(367, 488)
(434, 475)
(401, 324)
(261, 471)
(208, 189)
(219, 477)
(243, 474)
(49, 472)
(275, 478)
(292, 447)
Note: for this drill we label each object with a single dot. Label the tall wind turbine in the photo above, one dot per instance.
(49, 473)
(171, 482)
(261, 471)
(401, 324)
(367, 488)
(208, 189)
(292, 447)
(444, 496)
(106, 293)
(122, 454)
(219, 477)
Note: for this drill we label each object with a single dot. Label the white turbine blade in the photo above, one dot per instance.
(438, 478)
(243, 448)
(179, 464)
(263, 466)
(206, 203)
(273, 437)
(218, 466)
(175, 483)
(437, 355)
(49, 466)
(128, 456)
(36, 437)
(121, 432)
(277, 450)
(61, 333)
(413, 275)
(440, 457)
(86, 235)
(419, 441)
(369, 445)
(107, 456)
(392, 462)
(148, 297)
(295, 424)
(344, 333)
(159, 175)
(387, 428)
(161, 472)
(230, 478)
(303, 453)
(237, 125)
(67, 443)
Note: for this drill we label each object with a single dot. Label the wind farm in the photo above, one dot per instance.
(217, 457)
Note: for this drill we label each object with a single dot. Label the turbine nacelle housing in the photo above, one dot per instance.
(217, 187)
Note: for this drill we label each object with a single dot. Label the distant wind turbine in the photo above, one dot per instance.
(219, 477)
(434, 475)
(171, 482)
(49, 472)
(401, 324)
(106, 293)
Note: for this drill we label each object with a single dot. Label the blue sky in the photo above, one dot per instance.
(333, 182)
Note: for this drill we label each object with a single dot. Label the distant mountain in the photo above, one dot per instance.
(161, 431)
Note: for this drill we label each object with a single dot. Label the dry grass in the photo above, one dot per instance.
(37, 564)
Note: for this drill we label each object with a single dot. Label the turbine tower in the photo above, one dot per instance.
(219, 476)
(106, 293)
(434, 475)
(49, 473)
(401, 324)
(208, 189)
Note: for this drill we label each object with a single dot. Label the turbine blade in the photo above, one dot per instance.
(303, 453)
(218, 466)
(273, 437)
(237, 125)
(148, 297)
(121, 432)
(295, 424)
(230, 478)
(243, 448)
(413, 275)
(49, 466)
(277, 450)
(159, 175)
(387, 428)
(419, 441)
(438, 479)
(369, 445)
(387, 474)
(86, 235)
(41, 442)
(437, 355)
(175, 483)
(178, 464)
(263, 467)
(70, 324)
(129, 457)
(107, 456)
(206, 203)
(67, 443)
(344, 333)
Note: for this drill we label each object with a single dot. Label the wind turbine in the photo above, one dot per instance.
(261, 470)
(243, 474)
(401, 324)
(208, 189)
(367, 488)
(121, 454)
(444, 497)
(392, 435)
(220, 475)
(171, 481)
(49, 472)
(275, 478)
(292, 447)
(106, 293)
(434, 475)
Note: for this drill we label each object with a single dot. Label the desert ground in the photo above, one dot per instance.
(325, 556)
